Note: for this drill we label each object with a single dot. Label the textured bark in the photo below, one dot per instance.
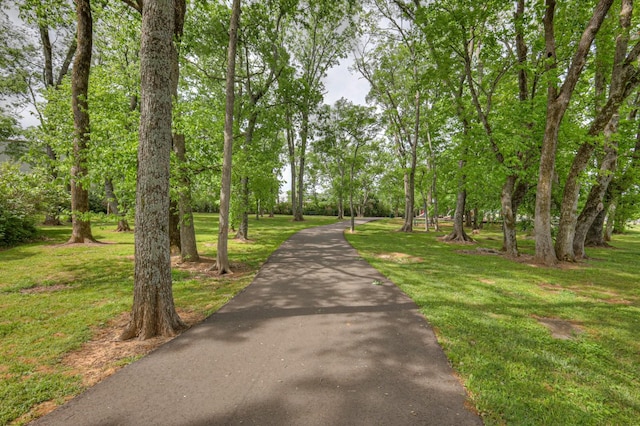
(557, 104)
(222, 257)
(81, 226)
(510, 242)
(153, 312)
(595, 235)
(594, 204)
(458, 234)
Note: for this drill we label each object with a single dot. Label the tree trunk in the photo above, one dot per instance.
(595, 234)
(174, 227)
(243, 228)
(153, 312)
(81, 230)
(222, 258)
(594, 204)
(113, 208)
(557, 104)
(510, 242)
(292, 161)
(304, 134)
(458, 234)
(622, 84)
(186, 232)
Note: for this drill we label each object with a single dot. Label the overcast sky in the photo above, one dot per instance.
(340, 82)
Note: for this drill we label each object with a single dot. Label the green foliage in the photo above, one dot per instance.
(486, 309)
(22, 196)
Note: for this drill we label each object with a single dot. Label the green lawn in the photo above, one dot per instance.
(486, 311)
(53, 298)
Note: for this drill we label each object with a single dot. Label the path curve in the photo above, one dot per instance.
(319, 338)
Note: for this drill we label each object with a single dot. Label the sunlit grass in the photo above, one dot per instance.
(485, 310)
(53, 297)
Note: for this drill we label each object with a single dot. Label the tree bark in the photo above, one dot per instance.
(557, 104)
(222, 257)
(113, 207)
(458, 234)
(81, 226)
(153, 312)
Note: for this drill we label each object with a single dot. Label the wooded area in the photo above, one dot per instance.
(525, 112)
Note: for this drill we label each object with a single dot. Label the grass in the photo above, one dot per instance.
(54, 297)
(488, 311)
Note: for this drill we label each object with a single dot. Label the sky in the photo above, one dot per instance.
(340, 82)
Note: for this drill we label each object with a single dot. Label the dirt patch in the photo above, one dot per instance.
(561, 329)
(104, 354)
(400, 257)
(482, 251)
(203, 267)
(45, 289)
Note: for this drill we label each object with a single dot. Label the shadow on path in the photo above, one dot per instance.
(312, 341)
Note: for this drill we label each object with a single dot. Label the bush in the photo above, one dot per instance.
(20, 200)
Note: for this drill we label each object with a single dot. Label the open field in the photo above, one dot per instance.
(533, 345)
(54, 298)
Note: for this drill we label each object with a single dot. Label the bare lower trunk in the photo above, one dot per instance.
(407, 226)
(113, 207)
(243, 228)
(510, 242)
(594, 204)
(222, 258)
(304, 133)
(174, 227)
(595, 235)
(458, 234)
(153, 312)
(81, 231)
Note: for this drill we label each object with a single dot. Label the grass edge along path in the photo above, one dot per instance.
(494, 317)
(62, 306)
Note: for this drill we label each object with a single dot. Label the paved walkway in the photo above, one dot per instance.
(312, 341)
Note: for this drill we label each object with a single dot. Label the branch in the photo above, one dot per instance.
(135, 4)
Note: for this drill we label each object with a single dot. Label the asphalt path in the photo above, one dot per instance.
(319, 338)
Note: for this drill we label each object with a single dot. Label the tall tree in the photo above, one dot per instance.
(188, 247)
(558, 99)
(81, 231)
(322, 36)
(222, 257)
(153, 312)
(625, 77)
